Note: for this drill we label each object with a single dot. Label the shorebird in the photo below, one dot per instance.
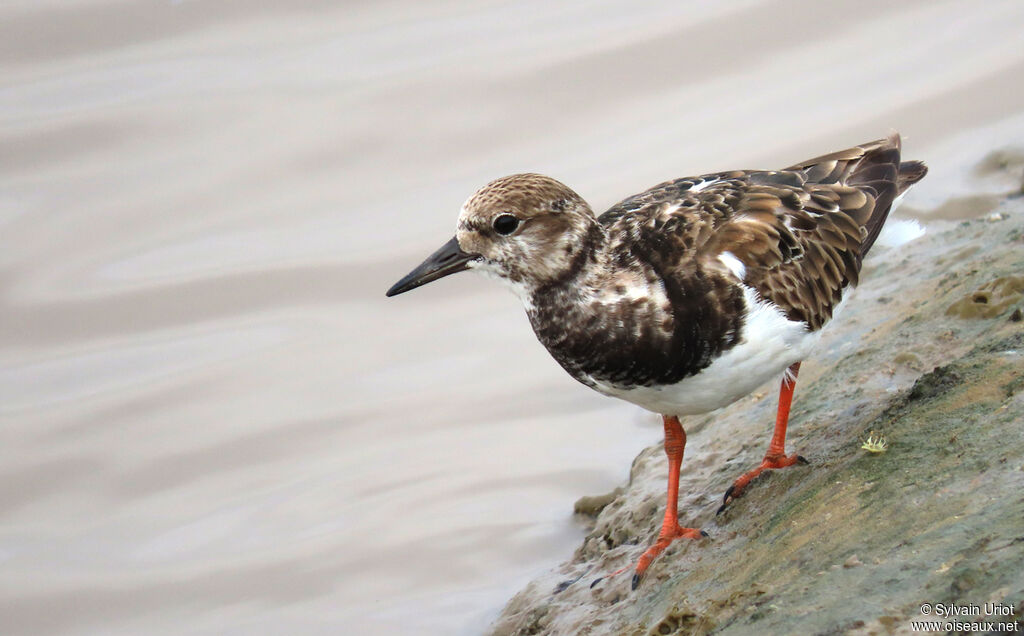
(688, 296)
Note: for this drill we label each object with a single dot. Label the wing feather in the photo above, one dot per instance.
(801, 233)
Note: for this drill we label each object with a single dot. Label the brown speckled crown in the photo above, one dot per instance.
(530, 193)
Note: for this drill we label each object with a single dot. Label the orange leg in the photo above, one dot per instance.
(675, 443)
(776, 456)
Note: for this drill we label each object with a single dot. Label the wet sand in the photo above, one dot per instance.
(213, 422)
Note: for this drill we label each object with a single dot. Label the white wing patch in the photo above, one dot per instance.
(733, 264)
(702, 185)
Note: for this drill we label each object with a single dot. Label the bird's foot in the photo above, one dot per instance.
(770, 462)
(664, 540)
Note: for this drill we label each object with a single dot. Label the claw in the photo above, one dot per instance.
(636, 581)
(725, 500)
(561, 587)
(596, 581)
(739, 486)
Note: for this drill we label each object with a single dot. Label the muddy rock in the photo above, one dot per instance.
(991, 299)
(856, 541)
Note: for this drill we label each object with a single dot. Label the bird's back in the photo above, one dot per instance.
(798, 235)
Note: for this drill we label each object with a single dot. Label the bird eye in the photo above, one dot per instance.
(505, 224)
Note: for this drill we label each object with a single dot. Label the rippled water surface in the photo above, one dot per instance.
(211, 420)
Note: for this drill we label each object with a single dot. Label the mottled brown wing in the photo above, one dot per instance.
(676, 194)
(801, 233)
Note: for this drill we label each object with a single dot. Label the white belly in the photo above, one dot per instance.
(770, 344)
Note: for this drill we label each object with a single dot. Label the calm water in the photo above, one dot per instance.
(212, 422)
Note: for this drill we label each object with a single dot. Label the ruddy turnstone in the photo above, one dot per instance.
(688, 296)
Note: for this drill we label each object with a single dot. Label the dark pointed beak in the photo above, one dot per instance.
(450, 259)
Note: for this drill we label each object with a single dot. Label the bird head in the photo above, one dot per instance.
(526, 229)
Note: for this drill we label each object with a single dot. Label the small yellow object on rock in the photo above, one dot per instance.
(875, 443)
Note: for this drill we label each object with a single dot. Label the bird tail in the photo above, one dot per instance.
(910, 173)
(882, 170)
(876, 169)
